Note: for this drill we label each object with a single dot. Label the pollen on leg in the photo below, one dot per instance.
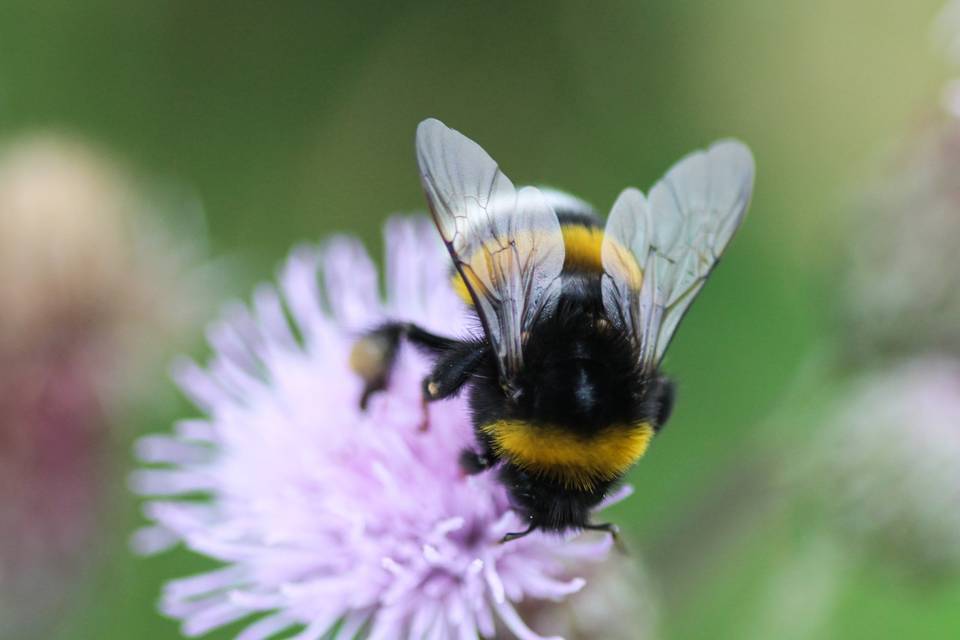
(369, 356)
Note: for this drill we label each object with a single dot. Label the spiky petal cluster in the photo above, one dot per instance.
(330, 519)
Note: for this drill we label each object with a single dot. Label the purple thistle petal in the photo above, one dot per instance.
(194, 431)
(266, 627)
(164, 449)
(153, 540)
(510, 618)
(204, 583)
(211, 618)
(622, 493)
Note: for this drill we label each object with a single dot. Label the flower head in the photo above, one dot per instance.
(892, 462)
(326, 516)
(901, 290)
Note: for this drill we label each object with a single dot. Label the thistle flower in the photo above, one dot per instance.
(901, 293)
(326, 517)
(892, 462)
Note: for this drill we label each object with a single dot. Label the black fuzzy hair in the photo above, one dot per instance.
(581, 374)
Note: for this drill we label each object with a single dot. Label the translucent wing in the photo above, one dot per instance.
(505, 242)
(625, 255)
(658, 252)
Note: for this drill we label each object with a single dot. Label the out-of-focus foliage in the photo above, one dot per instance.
(293, 120)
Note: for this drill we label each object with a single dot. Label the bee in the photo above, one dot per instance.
(564, 385)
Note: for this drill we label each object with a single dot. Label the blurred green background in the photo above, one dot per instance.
(292, 120)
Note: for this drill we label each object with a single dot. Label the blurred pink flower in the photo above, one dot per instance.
(325, 516)
(891, 468)
(619, 603)
(52, 436)
(77, 296)
(901, 294)
(946, 35)
(901, 290)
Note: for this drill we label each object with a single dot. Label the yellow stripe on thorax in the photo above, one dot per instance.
(578, 462)
(583, 249)
(582, 245)
(460, 287)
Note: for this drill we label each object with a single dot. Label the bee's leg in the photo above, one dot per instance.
(665, 394)
(373, 355)
(453, 370)
(518, 534)
(472, 462)
(614, 532)
(372, 359)
(451, 373)
(427, 342)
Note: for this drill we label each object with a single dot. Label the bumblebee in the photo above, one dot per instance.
(564, 384)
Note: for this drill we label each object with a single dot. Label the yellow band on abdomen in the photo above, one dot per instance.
(578, 462)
